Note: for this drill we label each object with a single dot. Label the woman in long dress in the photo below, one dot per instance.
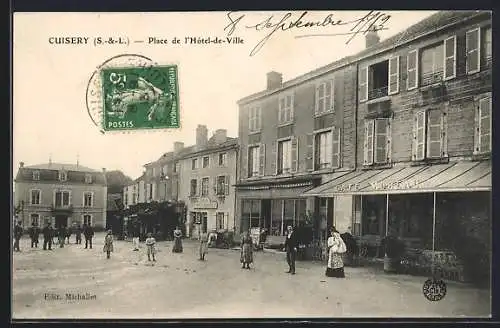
(246, 251)
(177, 241)
(335, 266)
(108, 244)
(203, 245)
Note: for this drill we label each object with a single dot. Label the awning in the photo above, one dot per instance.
(452, 177)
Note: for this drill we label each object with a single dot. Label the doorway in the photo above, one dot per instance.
(204, 223)
(61, 221)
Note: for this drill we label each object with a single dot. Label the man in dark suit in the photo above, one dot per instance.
(34, 232)
(291, 243)
(48, 234)
(88, 232)
(18, 233)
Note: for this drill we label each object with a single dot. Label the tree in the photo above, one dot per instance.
(116, 181)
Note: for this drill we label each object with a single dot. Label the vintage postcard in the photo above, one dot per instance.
(281, 165)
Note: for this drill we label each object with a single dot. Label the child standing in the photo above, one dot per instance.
(150, 244)
(108, 244)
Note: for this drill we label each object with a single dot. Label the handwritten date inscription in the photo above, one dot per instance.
(373, 21)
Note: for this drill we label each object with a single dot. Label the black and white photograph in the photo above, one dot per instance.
(251, 165)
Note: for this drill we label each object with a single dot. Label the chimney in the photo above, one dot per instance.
(201, 136)
(103, 170)
(220, 136)
(178, 146)
(371, 38)
(21, 164)
(274, 80)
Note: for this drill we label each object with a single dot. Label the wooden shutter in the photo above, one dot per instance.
(243, 161)
(336, 142)
(393, 75)
(295, 154)
(444, 134)
(368, 142)
(389, 141)
(310, 152)
(363, 84)
(215, 185)
(290, 106)
(472, 42)
(281, 109)
(198, 186)
(380, 140)
(226, 220)
(259, 119)
(450, 58)
(227, 181)
(262, 159)
(483, 114)
(412, 70)
(419, 136)
(434, 133)
(330, 85)
(316, 99)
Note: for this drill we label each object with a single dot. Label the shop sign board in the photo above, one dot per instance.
(380, 185)
(205, 203)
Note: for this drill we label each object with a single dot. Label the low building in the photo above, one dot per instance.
(63, 194)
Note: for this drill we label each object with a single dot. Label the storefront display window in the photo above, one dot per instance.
(251, 213)
(276, 213)
(373, 215)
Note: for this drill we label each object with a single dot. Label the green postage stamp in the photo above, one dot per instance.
(144, 97)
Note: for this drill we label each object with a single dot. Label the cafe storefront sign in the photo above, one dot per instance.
(379, 185)
(205, 203)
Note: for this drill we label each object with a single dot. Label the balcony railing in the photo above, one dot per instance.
(431, 78)
(60, 207)
(377, 93)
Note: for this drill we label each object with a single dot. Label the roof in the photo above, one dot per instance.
(61, 166)
(428, 25)
(451, 177)
(210, 147)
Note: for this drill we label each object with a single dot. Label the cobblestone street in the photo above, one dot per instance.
(180, 286)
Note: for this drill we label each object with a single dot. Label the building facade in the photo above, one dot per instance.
(63, 194)
(424, 136)
(293, 136)
(207, 177)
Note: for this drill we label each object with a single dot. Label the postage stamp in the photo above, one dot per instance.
(131, 92)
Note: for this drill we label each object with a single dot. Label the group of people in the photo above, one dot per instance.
(62, 233)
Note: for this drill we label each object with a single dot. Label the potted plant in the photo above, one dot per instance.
(394, 251)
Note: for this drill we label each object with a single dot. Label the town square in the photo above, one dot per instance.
(354, 184)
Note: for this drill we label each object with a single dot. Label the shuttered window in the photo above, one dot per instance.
(411, 70)
(253, 161)
(472, 46)
(434, 138)
(285, 109)
(325, 97)
(368, 142)
(429, 135)
(393, 75)
(254, 119)
(483, 126)
(363, 84)
(381, 140)
(450, 58)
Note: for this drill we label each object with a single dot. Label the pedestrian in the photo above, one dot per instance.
(34, 232)
(246, 257)
(18, 233)
(78, 234)
(48, 234)
(61, 233)
(150, 244)
(135, 238)
(291, 243)
(88, 233)
(108, 244)
(67, 234)
(177, 241)
(336, 247)
(203, 245)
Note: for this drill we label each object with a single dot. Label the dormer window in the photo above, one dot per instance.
(88, 178)
(36, 175)
(63, 176)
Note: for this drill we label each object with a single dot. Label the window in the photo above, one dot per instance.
(164, 171)
(253, 161)
(250, 214)
(194, 163)
(88, 200)
(63, 176)
(393, 76)
(222, 187)
(177, 167)
(429, 139)
(284, 157)
(432, 64)
(486, 47)
(374, 81)
(87, 219)
(254, 119)
(61, 198)
(134, 198)
(149, 191)
(450, 58)
(411, 70)
(206, 161)
(285, 109)
(88, 178)
(204, 186)
(472, 46)
(327, 149)
(125, 198)
(222, 159)
(154, 171)
(36, 175)
(35, 197)
(35, 219)
(220, 220)
(194, 187)
(377, 141)
(482, 135)
(325, 101)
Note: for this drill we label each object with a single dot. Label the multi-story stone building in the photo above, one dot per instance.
(62, 194)
(292, 136)
(207, 177)
(423, 134)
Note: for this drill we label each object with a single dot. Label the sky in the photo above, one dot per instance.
(50, 117)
